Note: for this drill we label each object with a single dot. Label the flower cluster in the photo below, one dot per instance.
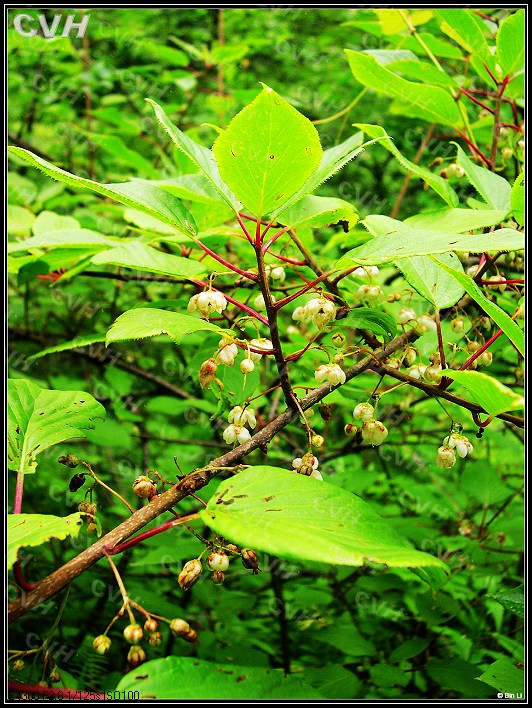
(373, 431)
(207, 302)
(238, 418)
(452, 444)
(333, 373)
(307, 465)
(319, 310)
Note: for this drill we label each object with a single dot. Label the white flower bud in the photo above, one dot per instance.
(416, 372)
(461, 443)
(405, 315)
(445, 457)
(433, 373)
(301, 314)
(373, 293)
(317, 475)
(210, 301)
(485, 358)
(410, 356)
(363, 290)
(374, 432)
(234, 433)
(227, 352)
(306, 464)
(278, 273)
(247, 366)
(332, 373)
(363, 411)
(458, 325)
(366, 272)
(425, 323)
(263, 344)
(258, 303)
(192, 304)
(242, 416)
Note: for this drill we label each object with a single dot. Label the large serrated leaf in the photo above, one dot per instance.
(431, 103)
(457, 220)
(313, 212)
(493, 188)
(149, 322)
(487, 391)
(438, 184)
(64, 238)
(431, 281)
(267, 153)
(508, 326)
(139, 256)
(517, 199)
(201, 156)
(467, 30)
(186, 677)
(142, 196)
(84, 341)
(39, 418)
(26, 530)
(293, 516)
(513, 600)
(396, 239)
(511, 43)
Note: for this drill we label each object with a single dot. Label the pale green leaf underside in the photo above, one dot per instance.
(201, 156)
(149, 322)
(395, 239)
(313, 212)
(186, 677)
(139, 256)
(493, 188)
(487, 391)
(64, 238)
(84, 341)
(517, 199)
(438, 184)
(467, 30)
(431, 281)
(431, 103)
(35, 529)
(508, 326)
(50, 221)
(39, 418)
(293, 516)
(142, 196)
(457, 220)
(267, 153)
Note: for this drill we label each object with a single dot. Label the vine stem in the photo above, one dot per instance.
(227, 264)
(121, 547)
(309, 286)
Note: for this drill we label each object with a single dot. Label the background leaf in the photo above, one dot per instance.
(142, 257)
(432, 282)
(39, 418)
(511, 43)
(487, 391)
(513, 600)
(493, 188)
(371, 319)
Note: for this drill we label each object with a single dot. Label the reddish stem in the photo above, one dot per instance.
(309, 286)
(501, 282)
(274, 237)
(480, 351)
(20, 579)
(69, 694)
(19, 492)
(246, 232)
(254, 218)
(292, 261)
(148, 534)
(490, 74)
(239, 304)
(477, 421)
(297, 355)
(225, 263)
(475, 100)
(474, 148)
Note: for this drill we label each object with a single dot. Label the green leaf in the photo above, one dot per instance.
(50, 221)
(150, 322)
(331, 162)
(487, 391)
(467, 30)
(278, 511)
(84, 341)
(511, 43)
(508, 326)
(493, 188)
(122, 154)
(313, 212)
(201, 156)
(513, 600)
(430, 281)
(39, 418)
(267, 153)
(438, 184)
(457, 220)
(68, 238)
(334, 681)
(146, 198)
(517, 199)
(396, 239)
(431, 103)
(195, 187)
(19, 220)
(505, 677)
(410, 648)
(180, 677)
(35, 529)
(371, 319)
(142, 257)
